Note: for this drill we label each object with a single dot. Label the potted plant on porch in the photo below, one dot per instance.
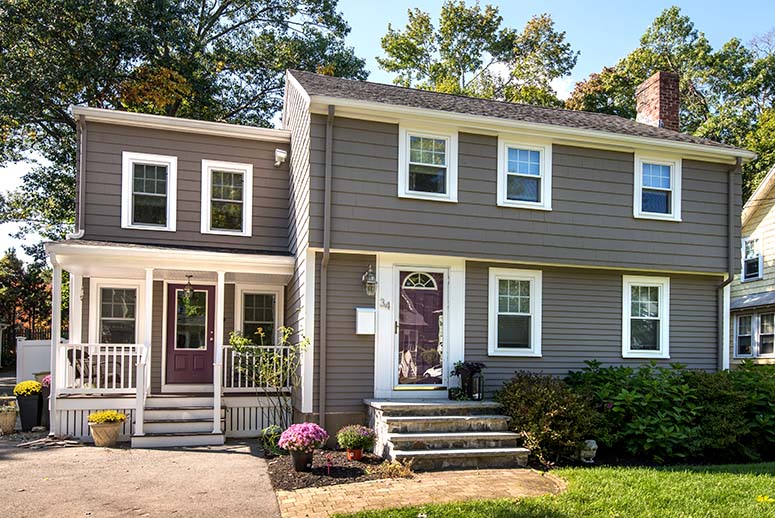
(105, 426)
(7, 418)
(356, 438)
(301, 440)
(28, 395)
(471, 381)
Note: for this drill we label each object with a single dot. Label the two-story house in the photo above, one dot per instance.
(753, 291)
(401, 231)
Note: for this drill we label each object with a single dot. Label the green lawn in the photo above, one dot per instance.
(696, 491)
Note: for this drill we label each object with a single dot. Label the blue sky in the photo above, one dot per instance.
(603, 31)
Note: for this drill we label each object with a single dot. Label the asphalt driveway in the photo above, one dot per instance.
(86, 481)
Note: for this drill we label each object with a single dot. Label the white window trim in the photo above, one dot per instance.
(675, 177)
(450, 136)
(535, 277)
(742, 259)
(752, 334)
(247, 196)
(95, 306)
(545, 148)
(663, 283)
(128, 159)
(239, 296)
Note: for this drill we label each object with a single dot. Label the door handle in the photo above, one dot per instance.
(396, 327)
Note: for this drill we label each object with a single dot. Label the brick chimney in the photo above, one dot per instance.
(657, 101)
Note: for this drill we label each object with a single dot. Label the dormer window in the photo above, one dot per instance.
(657, 188)
(227, 198)
(149, 185)
(752, 259)
(427, 165)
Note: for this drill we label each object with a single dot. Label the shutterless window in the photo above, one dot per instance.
(258, 317)
(766, 333)
(646, 315)
(744, 338)
(523, 175)
(513, 314)
(149, 194)
(428, 164)
(227, 200)
(656, 195)
(751, 259)
(644, 318)
(118, 307)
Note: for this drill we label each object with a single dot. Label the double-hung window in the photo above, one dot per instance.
(646, 315)
(227, 189)
(657, 188)
(514, 312)
(118, 316)
(755, 335)
(744, 336)
(752, 259)
(524, 174)
(259, 313)
(427, 165)
(149, 191)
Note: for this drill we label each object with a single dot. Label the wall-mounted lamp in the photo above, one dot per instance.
(188, 291)
(370, 282)
(280, 156)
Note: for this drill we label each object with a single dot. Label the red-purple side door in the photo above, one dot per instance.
(190, 334)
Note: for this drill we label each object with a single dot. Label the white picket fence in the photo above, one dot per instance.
(32, 357)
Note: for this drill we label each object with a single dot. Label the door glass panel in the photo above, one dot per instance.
(191, 320)
(421, 328)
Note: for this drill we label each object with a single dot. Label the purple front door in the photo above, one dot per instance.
(190, 334)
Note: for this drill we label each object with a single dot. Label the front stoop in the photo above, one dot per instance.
(178, 421)
(441, 434)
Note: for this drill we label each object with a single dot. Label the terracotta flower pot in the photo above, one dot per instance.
(7, 422)
(354, 454)
(302, 461)
(29, 408)
(105, 434)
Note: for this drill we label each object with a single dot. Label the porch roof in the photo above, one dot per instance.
(107, 259)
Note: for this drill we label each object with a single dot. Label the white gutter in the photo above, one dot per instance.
(145, 120)
(491, 123)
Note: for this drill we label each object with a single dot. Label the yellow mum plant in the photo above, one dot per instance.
(107, 416)
(27, 388)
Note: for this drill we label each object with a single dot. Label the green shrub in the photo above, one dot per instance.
(756, 383)
(551, 419)
(356, 437)
(269, 439)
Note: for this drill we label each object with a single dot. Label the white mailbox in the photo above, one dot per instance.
(365, 321)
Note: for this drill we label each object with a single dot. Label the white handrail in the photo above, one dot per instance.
(241, 375)
(101, 368)
(142, 370)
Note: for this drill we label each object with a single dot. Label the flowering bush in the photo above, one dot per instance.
(46, 381)
(107, 416)
(356, 437)
(27, 388)
(303, 437)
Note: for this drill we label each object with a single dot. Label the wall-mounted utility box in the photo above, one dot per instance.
(365, 321)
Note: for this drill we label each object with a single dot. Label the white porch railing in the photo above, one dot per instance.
(250, 371)
(100, 368)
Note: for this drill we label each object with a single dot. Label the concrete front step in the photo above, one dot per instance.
(446, 423)
(172, 440)
(153, 426)
(451, 440)
(476, 458)
(432, 407)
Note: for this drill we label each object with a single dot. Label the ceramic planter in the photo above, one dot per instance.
(354, 453)
(29, 408)
(105, 434)
(302, 461)
(7, 422)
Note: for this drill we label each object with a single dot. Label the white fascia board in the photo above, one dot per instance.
(556, 132)
(162, 122)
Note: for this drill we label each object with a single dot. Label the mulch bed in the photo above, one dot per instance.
(341, 470)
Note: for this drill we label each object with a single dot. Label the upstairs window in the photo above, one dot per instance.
(524, 175)
(657, 189)
(427, 165)
(752, 259)
(226, 198)
(646, 314)
(149, 185)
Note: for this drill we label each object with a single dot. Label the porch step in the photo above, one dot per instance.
(172, 440)
(178, 400)
(446, 423)
(430, 407)
(153, 426)
(451, 440)
(477, 458)
(178, 413)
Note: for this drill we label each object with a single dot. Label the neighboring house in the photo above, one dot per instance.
(407, 230)
(753, 291)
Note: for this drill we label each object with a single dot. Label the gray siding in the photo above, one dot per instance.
(582, 320)
(102, 218)
(591, 222)
(85, 311)
(228, 311)
(350, 357)
(157, 347)
(294, 314)
(296, 119)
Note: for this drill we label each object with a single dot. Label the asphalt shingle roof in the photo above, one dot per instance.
(321, 85)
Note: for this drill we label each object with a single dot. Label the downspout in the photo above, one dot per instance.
(323, 342)
(81, 180)
(731, 247)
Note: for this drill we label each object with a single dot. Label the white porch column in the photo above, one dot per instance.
(76, 305)
(56, 338)
(218, 358)
(143, 377)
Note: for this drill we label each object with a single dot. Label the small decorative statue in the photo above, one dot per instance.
(588, 451)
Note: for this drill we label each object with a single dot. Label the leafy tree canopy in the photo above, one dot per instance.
(207, 59)
(471, 53)
(727, 94)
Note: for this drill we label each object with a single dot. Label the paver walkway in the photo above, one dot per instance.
(424, 488)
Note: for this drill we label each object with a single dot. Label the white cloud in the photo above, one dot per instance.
(10, 179)
(563, 86)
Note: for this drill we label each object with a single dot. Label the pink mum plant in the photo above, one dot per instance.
(46, 381)
(303, 437)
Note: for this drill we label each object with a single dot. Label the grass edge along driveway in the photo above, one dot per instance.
(724, 491)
